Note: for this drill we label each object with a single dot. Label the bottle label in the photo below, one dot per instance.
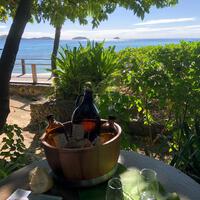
(78, 131)
(88, 125)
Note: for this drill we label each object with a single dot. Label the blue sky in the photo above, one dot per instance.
(180, 21)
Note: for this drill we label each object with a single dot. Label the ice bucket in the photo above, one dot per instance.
(83, 166)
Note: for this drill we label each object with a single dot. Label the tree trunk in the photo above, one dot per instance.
(9, 53)
(55, 48)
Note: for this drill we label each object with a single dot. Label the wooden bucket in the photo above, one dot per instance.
(84, 166)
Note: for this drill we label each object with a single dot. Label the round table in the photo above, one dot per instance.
(172, 179)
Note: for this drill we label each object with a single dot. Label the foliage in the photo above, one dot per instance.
(155, 85)
(57, 11)
(164, 82)
(112, 102)
(12, 152)
(92, 63)
(7, 8)
(187, 150)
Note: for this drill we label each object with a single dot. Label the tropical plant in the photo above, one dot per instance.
(12, 151)
(76, 66)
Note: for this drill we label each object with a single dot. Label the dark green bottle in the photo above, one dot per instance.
(86, 119)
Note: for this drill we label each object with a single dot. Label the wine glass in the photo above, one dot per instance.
(114, 190)
(148, 184)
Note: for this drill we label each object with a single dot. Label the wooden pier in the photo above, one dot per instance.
(32, 76)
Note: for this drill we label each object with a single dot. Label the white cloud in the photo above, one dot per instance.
(165, 21)
(191, 31)
(171, 28)
(32, 34)
(145, 32)
(93, 34)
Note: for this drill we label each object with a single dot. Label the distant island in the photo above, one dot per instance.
(80, 38)
(39, 38)
(3, 37)
(116, 38)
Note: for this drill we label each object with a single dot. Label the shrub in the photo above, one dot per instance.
(12, 152)
(164, 81)
(156, 84)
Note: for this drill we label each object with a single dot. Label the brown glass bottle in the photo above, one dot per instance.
(55, 138)
(108, 130)
(85, 118)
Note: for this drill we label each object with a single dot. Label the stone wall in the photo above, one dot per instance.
(61, 109)
(29, 90)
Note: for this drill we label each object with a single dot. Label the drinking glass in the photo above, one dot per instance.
(148, 184)
(114, 190)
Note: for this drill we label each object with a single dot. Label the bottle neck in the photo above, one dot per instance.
(52, 121)
(111, 120)
(88, 97)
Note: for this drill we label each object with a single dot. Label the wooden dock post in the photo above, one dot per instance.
(23, 66)
(34, 73)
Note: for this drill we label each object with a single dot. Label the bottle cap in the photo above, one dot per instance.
(49, 117)
(111, 117)
(88, 87)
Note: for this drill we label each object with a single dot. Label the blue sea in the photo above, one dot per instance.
(38, 51)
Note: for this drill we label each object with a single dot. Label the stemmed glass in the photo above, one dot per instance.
(148, 185)
(114, 190)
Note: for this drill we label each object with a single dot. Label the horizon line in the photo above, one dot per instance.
(115, 39)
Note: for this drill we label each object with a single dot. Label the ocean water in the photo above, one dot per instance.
(38, 51)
